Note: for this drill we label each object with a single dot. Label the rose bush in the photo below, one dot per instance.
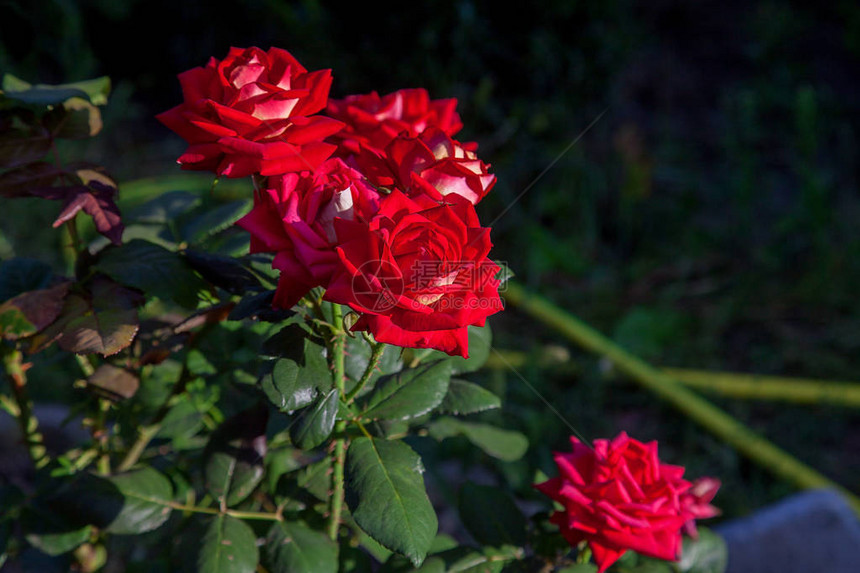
(619, 496)
(252, 112)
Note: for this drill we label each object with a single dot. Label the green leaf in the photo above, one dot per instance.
(468, 398)
(103, 320)
(164, 208)
(295, 381)
(293, 547)
(233, 459)
(129, 503)
(580, 568)
(491, 516)
(385, 493)
(152, 269)
(221, 544)
(506, 445)
(146, 494)
(480, 343)
(358, 353)
(286, 389)
(707, 554)
(95, 91)
(29, 312)
(315, 423)
(400, 564)
(50, 533)
(20, 275)
(408, 393)
(209, 221)
(259, 307)
(223, 272)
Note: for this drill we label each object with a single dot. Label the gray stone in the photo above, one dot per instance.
(810, 532)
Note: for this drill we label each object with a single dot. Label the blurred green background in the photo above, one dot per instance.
(708, 219)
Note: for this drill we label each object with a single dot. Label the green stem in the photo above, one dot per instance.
(375, 356)
(146, 433)
(14, 367)
(339, 454)
(721, 424)
(755, 387)
(231, 512)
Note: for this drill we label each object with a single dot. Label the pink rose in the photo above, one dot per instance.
(253, 113)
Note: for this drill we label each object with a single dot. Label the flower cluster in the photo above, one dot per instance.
(618, 496)
(369, 197)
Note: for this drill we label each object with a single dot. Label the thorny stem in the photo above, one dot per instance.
(338, 351)
(15, 370)
(376, 354)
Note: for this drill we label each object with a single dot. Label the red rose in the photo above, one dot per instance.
(418, 273)
(374, 121)
(432, 164)
(253, 113)
(619, 496)
(697, 501)
(293, 216)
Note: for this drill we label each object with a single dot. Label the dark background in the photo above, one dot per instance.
(709, 219)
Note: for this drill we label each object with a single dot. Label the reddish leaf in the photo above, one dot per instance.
(103, 320)
(30, 312)
(27, 148)
(22, 181)
(114, 382)
(96, 200)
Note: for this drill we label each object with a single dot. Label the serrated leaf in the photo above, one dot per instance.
(21, 181)
(286, 389)
(21, 275)
(95, 199)
(213, 220)
(223, 272)
(408, 393)
(29, 312)
(707, 554)
(129, 503)
(385, 493)
(294, 547)
(146, 494)
(103, 320)
(114, 382)
(506, 445)
(468, 398)
(315, 423)
(17, 148)
(491, 516)
(220, 544)
(233, 459)
(152, 269)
